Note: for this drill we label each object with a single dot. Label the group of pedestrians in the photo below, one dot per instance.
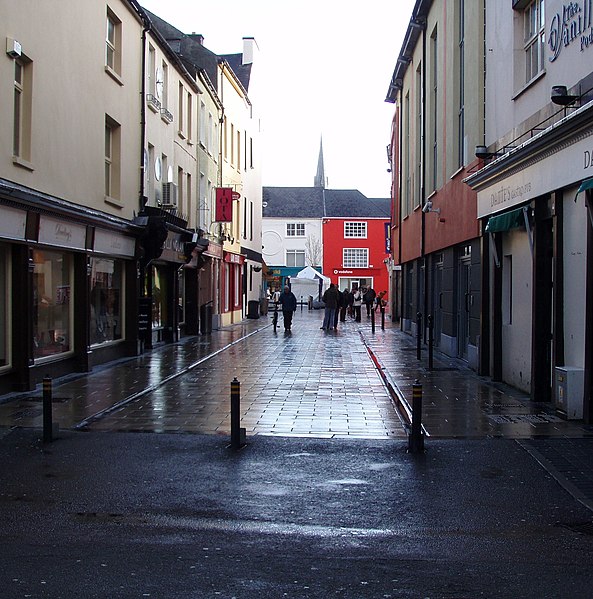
(338, 304)
(349, 302)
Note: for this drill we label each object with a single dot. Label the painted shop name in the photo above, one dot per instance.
(509, 194)
(574, 23)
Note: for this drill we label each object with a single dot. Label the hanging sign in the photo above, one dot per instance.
(224, 204)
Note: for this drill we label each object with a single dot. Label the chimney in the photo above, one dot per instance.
(249, 49)
(197, 37)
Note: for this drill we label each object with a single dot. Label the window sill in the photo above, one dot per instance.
(531, 82)
(18, 161)
(114, 75)
(114, 202)
(181, 134)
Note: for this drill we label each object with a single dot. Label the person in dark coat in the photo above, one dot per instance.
(331, 300)
(369, 299)
(340, 302)
(344, 305)
(288, 301)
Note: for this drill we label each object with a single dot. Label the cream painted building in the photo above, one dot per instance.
(69, 186)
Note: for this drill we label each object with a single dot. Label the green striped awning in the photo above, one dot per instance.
(505, 222)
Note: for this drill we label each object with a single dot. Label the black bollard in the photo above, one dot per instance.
(373, 321)
(382, 318)
(416, 438)
(47, 410)
(237, 433)
(430, 340)
(419, 335)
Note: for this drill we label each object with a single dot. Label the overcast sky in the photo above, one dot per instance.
(325, 68)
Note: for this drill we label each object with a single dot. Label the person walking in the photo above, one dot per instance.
(357, 304)
(344, 304)
(288, 301)
(331, 300)
(369, 298)
(339, 307)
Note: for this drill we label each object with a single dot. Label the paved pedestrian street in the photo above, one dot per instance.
(308, 382)
(351, 382)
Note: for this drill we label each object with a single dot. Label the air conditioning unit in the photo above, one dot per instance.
(169, 194)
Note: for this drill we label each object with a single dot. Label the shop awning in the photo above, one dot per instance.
(586, 184)
(505, 222)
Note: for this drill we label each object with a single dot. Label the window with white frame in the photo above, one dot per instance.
(112, 158)
(295, 229)
(355, 229)
(355, 258)
(295, 257)
(534, 38)
(113, 43)
(22, 104)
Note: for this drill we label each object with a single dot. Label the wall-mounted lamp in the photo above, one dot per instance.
(561, 96)
(483, 153)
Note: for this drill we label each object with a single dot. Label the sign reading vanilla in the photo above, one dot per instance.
(573, 25)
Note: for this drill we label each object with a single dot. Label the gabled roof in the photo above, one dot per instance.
(316, 202)
(242, 71)
(292, 202)
(351, 203)
(190, 50)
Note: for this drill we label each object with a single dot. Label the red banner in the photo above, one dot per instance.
(224, 204)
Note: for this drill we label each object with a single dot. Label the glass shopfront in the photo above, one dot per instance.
(159, 297)
(106, 300)
(4, 304)
(52, 303)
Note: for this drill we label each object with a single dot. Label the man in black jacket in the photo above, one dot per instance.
(288, 301)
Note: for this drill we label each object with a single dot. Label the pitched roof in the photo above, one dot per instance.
(242, 71)
(316, 202)
(292, 202)
(189, 48)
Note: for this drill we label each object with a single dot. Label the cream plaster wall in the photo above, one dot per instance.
(71, 94)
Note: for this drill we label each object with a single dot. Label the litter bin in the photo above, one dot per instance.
(252, 309)
(206, 318)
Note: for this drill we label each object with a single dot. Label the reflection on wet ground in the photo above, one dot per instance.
(307, 383)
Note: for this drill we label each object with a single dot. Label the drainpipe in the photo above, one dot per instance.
(147, 27)
(423, 181)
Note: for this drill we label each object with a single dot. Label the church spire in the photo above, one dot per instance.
(320, 176)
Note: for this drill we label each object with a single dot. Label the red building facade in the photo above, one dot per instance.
(355, 251)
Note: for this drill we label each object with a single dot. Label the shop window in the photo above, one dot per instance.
(159, 297)
(4, 306)
(106, 300)
(52, 303)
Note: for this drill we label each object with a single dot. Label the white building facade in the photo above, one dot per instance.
(537, 227)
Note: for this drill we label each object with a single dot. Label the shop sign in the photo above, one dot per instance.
(558, 170)
(214, 250)
(13, 223)
(173, 248)
(234, 258)
(572, 24)
(343, 272)
(144, 309)
(61, 233)
(113, 244)
(224, 204)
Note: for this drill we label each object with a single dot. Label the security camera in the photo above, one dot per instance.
(427, 207)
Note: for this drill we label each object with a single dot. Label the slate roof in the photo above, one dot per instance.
(315, 202)
(242, 71)
(192, 53)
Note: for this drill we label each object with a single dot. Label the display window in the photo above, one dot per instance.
(52, 303)
(106, 300)
(159, 297)
(4, 306)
